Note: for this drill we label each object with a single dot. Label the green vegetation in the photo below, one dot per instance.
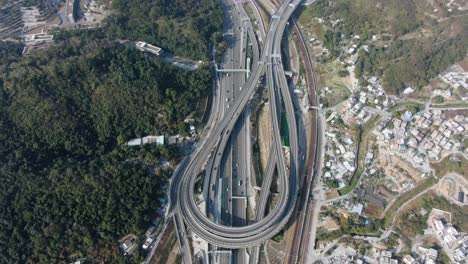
(412, 63)
(403, 106)
(331, 40)
(279, 237)
(330, 251)
(331, 73)
(361, 246)
(301, 69)
(352, 184)
(366, 17)
(459, 213)
(355, 228)
(451, 105)
(438, 99)
(452, 163)
(362, 139)
(324, 235)
(403, 56)
(343, 73)
(70, 187)
(420, 187)
(412, 222)
(85, 90)
(284, 129)
(443, 258)
(332, 184)
(184, 27)
(9, 52)
(256, 154)
(164, 249)
(392, 240)
(400, 109)
(349, 225)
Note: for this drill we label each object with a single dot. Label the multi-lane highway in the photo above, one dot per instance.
(222, 154)
(228, 200)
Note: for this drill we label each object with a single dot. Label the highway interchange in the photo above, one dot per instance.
(221, 160)
(227, 201)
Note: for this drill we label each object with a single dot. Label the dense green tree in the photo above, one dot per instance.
(183, 27)
(69, 187)
(402, 60)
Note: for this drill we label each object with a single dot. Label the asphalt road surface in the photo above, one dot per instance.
(219, 139)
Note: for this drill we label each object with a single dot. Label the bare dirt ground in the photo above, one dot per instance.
(173, 255)
(265, 138)
(464, 64)
(414, 173)
(331, 195)
(168, 248)
(447, 188)
(373, 210)
(278, 251)
(424, 240)
(451, 186)
(268, 7)
(293, 59)
(452, 113)
(329, 224)
(453, 163)
(401, 171)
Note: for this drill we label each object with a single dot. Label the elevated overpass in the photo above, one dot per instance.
(182, 186)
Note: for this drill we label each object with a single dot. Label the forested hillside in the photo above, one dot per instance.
(411, 40)
(85, 83)
(69, 187)
(181, 26)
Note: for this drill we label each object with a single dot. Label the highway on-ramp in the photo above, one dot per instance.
(182, 185)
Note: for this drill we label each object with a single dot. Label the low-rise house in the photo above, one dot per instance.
(428, 255)
(127, 245)
(357, 208)
(407, 259)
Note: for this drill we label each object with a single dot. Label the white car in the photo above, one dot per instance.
(148, 242)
